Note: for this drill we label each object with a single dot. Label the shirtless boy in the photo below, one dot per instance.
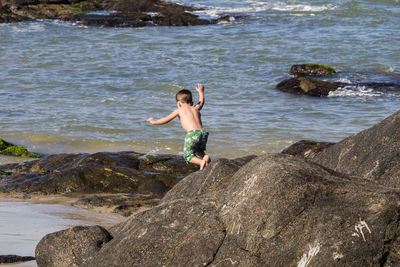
(189, 115)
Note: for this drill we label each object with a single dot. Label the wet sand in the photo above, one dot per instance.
(24, 223)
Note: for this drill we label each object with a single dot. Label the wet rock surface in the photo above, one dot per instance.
(307, 86)
(114, 13)
(312, 87)
(100, 179)
(303, 84)
(311, 70)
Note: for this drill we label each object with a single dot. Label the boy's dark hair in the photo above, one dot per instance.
(185, 96)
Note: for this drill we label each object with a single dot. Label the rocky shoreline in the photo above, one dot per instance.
(108, 13)
(121, 182)
(317, 203)
(308, 80)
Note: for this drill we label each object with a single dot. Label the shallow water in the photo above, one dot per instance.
(23, 224)
(72, 88)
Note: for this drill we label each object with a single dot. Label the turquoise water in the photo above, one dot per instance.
(70, 88)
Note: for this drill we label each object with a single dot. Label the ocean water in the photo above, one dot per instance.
(71, 88)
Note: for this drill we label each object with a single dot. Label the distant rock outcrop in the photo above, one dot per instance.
(302, 84)
(14, 259)
(275, 210)
(113, 13)
(311, 70)
(307, 86)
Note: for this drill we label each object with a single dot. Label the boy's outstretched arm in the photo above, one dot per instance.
(200, 90)
(164, 120)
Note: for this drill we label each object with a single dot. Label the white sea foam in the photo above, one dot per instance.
(255, 7)
(108, 100)
(152, 14)
(351, 91)
(36, 26)
(231, 19)
(41, 25)
(344, 80)
(302, 8)
(389, 69)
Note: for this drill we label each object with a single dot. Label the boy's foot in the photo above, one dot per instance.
(203, 163)
(207, 159)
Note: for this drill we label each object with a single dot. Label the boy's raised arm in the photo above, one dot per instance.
(164, 120)
(200, 90)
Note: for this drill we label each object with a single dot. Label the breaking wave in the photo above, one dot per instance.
(354, 90)
(256, 7)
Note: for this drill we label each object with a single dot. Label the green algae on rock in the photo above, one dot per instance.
(4, 144)
(19, 151)
(311, 69)
(9, 149)
(3, 173)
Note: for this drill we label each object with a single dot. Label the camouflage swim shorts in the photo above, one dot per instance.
(195, 142)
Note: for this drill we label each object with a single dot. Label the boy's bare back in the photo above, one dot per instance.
(189, 115)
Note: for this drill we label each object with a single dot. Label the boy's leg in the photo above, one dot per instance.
(200, 162)
(207, 159)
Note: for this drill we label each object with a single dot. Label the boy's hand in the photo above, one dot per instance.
(151, 120)
(200, 88)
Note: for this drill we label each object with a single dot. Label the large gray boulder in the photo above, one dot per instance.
(373, 154)
(276, 210)
(199, 183)
(71, 247)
